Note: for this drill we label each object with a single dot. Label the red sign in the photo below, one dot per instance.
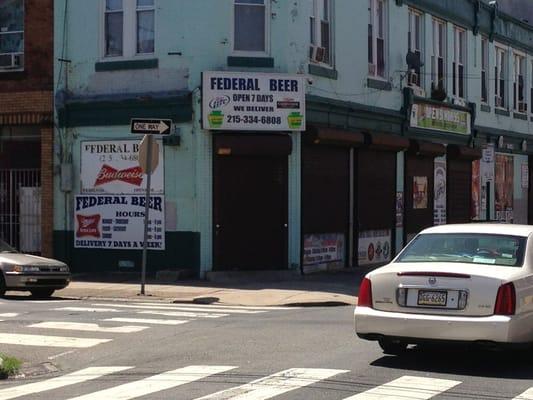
(133, 176)
(88, 225)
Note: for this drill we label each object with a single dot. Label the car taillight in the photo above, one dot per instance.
(505, 300)
(365, 293)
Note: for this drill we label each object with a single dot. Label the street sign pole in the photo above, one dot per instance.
(149, 139)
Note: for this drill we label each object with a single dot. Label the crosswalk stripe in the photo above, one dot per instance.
(275, 385)
(88, 327)
(73, 378)
(527, 395)
(156, 383)
(148, 321)
(88, 309)
(182, 314)
(199, 309)
(264, 308)
(49, 341)
(407, 387)
(8, 315)
(185, 313)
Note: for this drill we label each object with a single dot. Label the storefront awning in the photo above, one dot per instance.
(427, 149)
(387, 142)
(337, 137)
(253, 145)
(463, 152)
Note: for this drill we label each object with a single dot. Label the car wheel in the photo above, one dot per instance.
(42, 292)
(2, 286)
(392, 347)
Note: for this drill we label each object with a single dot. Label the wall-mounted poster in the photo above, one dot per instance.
(117, 222)
(439, 213)
(475, 212)
(399, 209)
(504, 187)
(420, 192)
(374, 247)
(112, 166)
(324, 249)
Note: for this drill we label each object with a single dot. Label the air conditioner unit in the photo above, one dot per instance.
(317, 53)
(522, 106)
(458, 102)
(498, 101)
(412, 79)
(11, 61)
(418, 91)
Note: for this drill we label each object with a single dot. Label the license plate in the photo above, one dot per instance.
(432, 298)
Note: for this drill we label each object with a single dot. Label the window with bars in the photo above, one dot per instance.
(250, 26)
(519, 100)
(414, 42)
(500, 70)
(377, 27)
(484, 69)
(129, 27)
(459, 61)
(11, 35)
(320, 32)
(438, 57)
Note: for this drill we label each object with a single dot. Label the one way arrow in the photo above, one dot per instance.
(151, 126)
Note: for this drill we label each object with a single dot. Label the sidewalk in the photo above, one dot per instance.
(320, 289)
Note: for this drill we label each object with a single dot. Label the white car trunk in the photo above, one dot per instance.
(439, 288)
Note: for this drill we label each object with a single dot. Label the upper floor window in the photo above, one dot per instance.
(484, 69)
(414, 39)
(500, 72)
(250, 26)
(11, 35)
(377, 38)
(320, 32)
(438, 58)
(129, 27)
(459, 60)
(519, 101)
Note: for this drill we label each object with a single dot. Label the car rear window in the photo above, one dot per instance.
(474, 248)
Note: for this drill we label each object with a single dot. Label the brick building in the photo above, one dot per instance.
(26, 124)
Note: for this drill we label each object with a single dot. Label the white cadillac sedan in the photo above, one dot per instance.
(468, 283)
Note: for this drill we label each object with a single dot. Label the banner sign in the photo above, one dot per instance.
(439, 203)
(440, 118)
(112, 166)
(374, 247)
(117, 222)
(253, 101)
(324, 248)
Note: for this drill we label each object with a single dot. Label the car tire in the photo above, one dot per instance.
(2, 285)
(392, 347)
(41, 293)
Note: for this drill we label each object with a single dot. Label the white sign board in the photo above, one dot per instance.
(112, 166)
(117, 222)
(253, 101)
(374, 247)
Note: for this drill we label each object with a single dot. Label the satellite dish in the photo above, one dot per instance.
(413, 60)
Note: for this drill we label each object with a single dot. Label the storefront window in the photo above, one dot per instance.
(11, 34)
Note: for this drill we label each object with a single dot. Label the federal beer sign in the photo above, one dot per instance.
(116, 222)
(112, 166)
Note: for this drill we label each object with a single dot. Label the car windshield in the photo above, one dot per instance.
(5, 248)
(501, 250)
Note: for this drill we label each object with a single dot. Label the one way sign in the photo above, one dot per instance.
(151, 126)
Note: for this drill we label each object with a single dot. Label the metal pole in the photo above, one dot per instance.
(146, 209)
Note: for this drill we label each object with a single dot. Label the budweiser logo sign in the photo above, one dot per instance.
(88, 225)
(133, 176)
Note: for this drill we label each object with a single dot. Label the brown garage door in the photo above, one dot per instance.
(250, 205)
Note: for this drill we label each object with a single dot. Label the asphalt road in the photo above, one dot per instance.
(122, 350)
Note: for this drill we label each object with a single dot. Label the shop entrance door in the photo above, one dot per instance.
(459, 191)
(250, 212)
